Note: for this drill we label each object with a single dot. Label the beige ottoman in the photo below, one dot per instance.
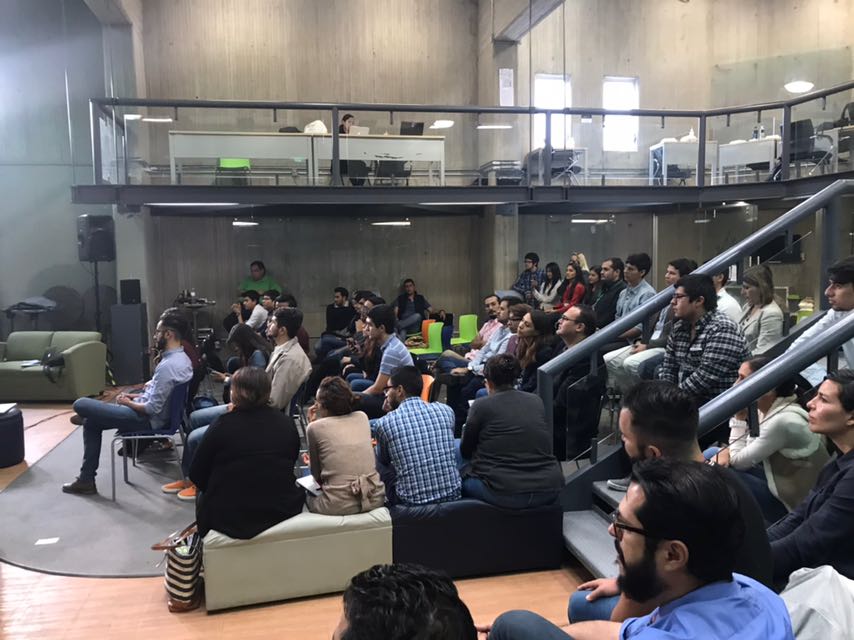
(306, 555)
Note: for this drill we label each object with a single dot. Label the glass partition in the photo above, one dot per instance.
(748, 145)
(822, 131)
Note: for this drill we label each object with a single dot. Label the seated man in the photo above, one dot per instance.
(705, 348)
(257, 281)
(288, 301)
(135, 412)
(676, 533)
(451, 359)
(401, 602)
(339, 315)
(379, 325)
(288, 368)
(659, 420)
(257, 313)
(415, 445)
(530, 279)
(726, 303)
(613, 284)
(411, 309)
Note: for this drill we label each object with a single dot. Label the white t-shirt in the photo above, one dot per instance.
(729, 306)
(258, 317)
(815, 372)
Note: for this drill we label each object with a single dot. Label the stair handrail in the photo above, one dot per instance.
(589, 347)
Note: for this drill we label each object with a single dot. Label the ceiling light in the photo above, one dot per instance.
(589, 221)
(392, 223)
(442, 124)
(495, 126)
(157, 119)
(244, 223)
(133, 116)
(191, 204)
(798, 86)
(703, 221)
(452, 204)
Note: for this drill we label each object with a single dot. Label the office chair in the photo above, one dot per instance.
(393, 170)
(802, 137)
(674, 172)
(233, 172)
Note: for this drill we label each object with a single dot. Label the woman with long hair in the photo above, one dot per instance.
(573, 288)
(761, 317)
(535, 346)
(341, 457)
(594, 285)
(548, 291)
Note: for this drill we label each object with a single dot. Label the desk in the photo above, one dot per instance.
(378, 148)
(741, 154)
(684, 154)
(224, 144)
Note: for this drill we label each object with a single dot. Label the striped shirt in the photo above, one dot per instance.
(395, 356)
(417, 439)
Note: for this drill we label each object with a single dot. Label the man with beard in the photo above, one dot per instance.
(134, 412)
(677, 533)
(660, 420)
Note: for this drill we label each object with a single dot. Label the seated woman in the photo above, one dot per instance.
(594, 285)
(547, 293)
(250, 350)
(781, 464)
(508, 444)
(572, 290)
(341, 457)
(761, 318)
(244, 466)
(819, 531)
(535, 346)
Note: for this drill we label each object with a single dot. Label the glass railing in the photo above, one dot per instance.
(209, 142)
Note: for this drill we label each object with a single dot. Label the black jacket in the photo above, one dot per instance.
(606, 306)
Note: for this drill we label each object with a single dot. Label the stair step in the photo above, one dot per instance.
(585, 534)
(606, 494)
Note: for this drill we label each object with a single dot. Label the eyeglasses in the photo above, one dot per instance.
(619, 527)
(679, 296)
(388, 387)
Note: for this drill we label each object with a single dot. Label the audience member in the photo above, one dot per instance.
(536, 335)
(411, 308)
(548, 291)
(650, 349)
(782, 463)
(612, 285)
(251, 350)
(573, 290)
(416, 453)
(244, 467)
(515, 314)
(705, 348)
(379, 325)
(594, 285)
(761, 320)
(341, 457)
(339, 315)
(257, 313)
(288, 301)
(660, 420)
(578, 390)
(819, 531)
(403, 602)
(451, 359)
(354, 170)
(582, 262)
(530, 279)
(726, 303)
(506, 447)
(677, 534)
(840, 295)
(137, 411)
(258, 281)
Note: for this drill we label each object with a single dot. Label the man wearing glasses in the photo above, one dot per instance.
(676, 534)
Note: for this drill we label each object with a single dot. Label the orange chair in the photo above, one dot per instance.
(425, 330)
(427, 388)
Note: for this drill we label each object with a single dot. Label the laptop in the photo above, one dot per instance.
(411, 128)
(359, 131)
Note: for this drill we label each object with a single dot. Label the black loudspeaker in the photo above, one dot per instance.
(96, 238)
(129, 291)
(129, 343)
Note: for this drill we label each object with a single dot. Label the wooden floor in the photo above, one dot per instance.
(37, 605)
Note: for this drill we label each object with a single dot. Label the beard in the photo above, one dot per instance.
(161, 344)
(639, 582)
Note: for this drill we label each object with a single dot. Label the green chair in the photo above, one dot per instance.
(233, 172)
(434, 341)
(468, 329)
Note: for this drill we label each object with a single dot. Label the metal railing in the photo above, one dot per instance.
(107, 107)
(590, 347)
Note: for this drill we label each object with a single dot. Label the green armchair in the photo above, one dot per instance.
(85, 359)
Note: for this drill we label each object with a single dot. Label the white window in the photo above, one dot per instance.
(620, 133)
(552, 91)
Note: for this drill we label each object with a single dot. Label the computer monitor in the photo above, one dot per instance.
(412, 128)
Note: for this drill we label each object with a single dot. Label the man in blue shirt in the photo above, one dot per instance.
(134, 412)
(676, 533)
(415, 445)
(380, 327)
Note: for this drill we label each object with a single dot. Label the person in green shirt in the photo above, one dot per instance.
(259, 281)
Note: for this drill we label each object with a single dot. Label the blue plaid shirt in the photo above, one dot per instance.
(417, 439)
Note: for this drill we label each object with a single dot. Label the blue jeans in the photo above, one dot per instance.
(474, 487)
(99, 417)
(327, 343)
(200, 420)
(525, 625)
(360, 384)
(203, 417)
(193, 441)
(444, 364)
(409, 324)
(582, 610)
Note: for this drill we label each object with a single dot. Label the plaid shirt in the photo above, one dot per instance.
(708, 365)
(417, 439)
(527, 282)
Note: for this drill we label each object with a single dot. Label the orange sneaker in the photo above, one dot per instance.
(188, 494)
(175, 487)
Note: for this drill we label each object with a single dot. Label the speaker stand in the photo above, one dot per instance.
(97, 297)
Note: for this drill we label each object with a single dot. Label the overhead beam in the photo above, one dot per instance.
(108, 12)
(527, 18)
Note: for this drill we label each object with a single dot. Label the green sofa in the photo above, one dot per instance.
(83, 375)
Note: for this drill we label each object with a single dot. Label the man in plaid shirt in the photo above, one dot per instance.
(705, 347)
(531, 278)
(416, 452)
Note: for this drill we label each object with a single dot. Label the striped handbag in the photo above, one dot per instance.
(183, 580)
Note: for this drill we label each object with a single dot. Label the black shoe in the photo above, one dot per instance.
(619, 484)
(80, 487)
(76, 419)
(141, 446)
